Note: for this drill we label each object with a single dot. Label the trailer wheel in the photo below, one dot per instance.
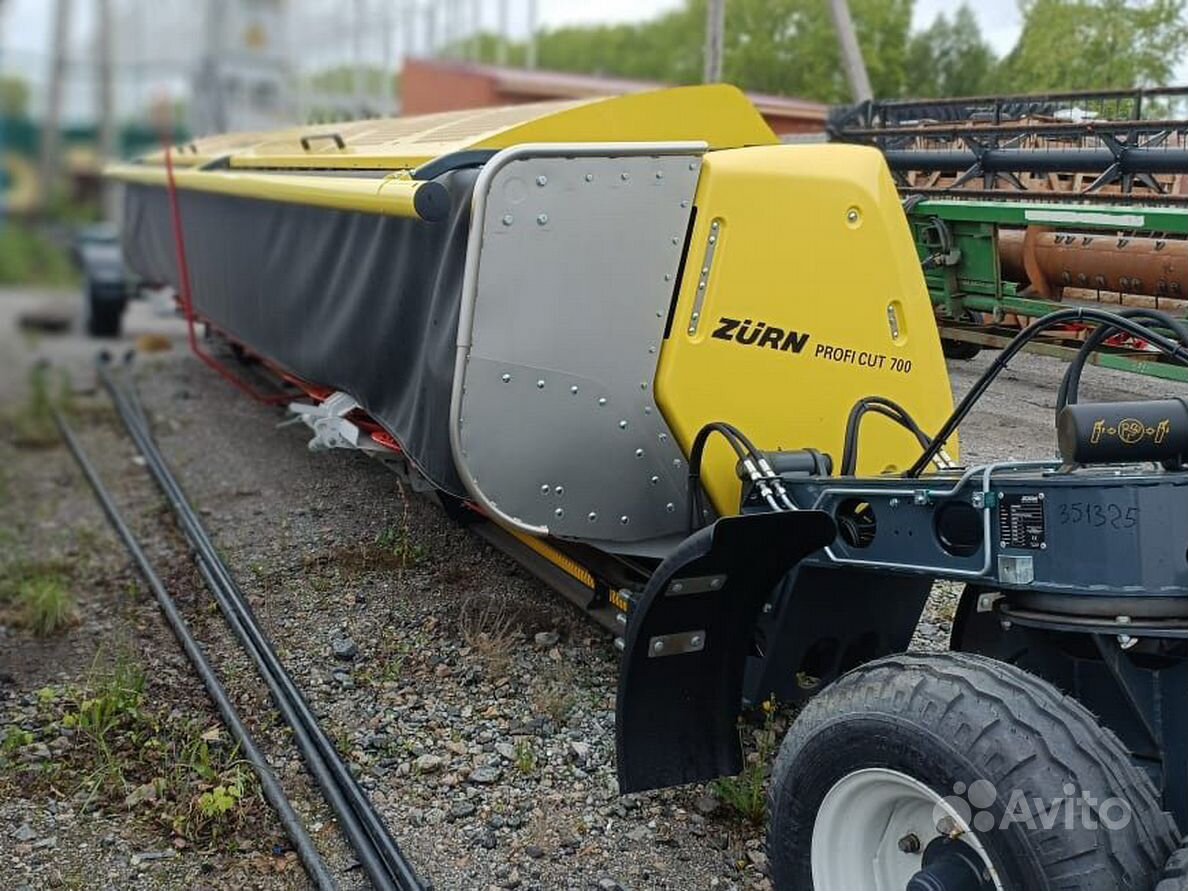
(104, 316)
(954, 772)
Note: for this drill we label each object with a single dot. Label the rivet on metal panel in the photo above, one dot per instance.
(676, 462)
(647, 409)
(559, 512)
(589, 177)
(659, 174)
(508, 219)
(654, 480)
(643, 385)
(622, 425)
(540, 385)
(602, 400)
(573, 389)
(685, 202)
(624, 519)
(670, 507)
(639, 453)
(651, 349)
(624, 176)
(676, 240)
(592, 516)
(714, 225)
(560, 490)
(664, 437)
(542, 180)
(506, 378)
(668, 276)
(544, 490)
(692, 165)
(541, 219)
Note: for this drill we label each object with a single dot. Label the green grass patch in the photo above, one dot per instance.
(32, 424)
(746, 794)
(153, 763)
(45, 606)
(28, 257)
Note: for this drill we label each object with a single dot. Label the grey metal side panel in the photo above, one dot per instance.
(573, 256)
(364, 303)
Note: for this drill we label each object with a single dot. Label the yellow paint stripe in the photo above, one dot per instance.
(555, 557)
(390, 195)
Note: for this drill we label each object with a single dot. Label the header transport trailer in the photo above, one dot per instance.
(693, 378)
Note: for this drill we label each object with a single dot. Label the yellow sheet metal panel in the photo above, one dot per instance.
(718, 114)
(391, 195)
(801, 293)
(389, 143)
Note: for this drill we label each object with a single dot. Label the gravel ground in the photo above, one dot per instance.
(475, 705)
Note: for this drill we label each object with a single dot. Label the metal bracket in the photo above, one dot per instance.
(676, 644)
(707, 265)
(330, 427)
(697, 585)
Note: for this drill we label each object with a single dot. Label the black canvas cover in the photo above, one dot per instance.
(364, 303)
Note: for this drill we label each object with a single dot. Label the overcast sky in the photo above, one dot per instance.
(26, 23)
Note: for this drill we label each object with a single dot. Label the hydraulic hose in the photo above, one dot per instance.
(1070, 384)
(377, 851)
(1176, 351)
(315, 867)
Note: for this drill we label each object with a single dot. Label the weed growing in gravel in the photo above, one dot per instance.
(556, 700)
(33, 424)
(397, 542)
(488, 631)
(525, 759)
(746, 794)
(175, 772)
(45, 605)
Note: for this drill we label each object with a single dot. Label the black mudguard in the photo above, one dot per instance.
(676, 715)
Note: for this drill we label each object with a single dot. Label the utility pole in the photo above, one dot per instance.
(360, 90)
(851, 53)
(715, 35)
(52, 123)
(530, 56)
(105, 102)
(501, 34)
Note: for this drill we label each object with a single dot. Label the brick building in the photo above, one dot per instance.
(429, 85)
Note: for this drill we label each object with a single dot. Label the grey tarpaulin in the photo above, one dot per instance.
(365, 303)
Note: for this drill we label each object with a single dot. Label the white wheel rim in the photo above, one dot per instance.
(859, 825)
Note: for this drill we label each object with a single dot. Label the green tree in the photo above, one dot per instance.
(774, 46)
(14, 96)
(950, 58)
(1095, 44)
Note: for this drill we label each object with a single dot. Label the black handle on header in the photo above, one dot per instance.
(305, 140)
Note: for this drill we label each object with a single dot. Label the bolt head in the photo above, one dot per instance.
(624, 176)
(910, 844)
(541, 219)
(542, 180)
(508, 219)
(589, 177)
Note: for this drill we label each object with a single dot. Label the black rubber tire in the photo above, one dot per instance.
(959, 349)
(104, 317)
(951, 718)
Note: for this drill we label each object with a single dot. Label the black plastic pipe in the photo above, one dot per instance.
(1165, 345)
(369, 836)
(315, 867)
